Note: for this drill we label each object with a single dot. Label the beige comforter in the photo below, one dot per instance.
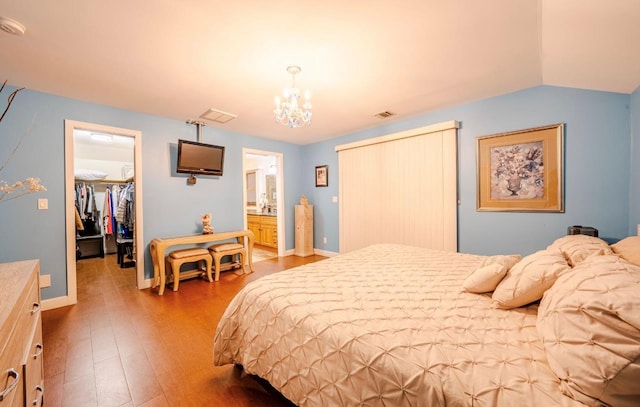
(387, 325)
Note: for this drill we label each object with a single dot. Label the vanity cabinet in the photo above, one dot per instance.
(264, 228)
(21, 366)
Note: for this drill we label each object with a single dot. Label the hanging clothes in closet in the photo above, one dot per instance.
(125, 212)
(89, 238)
(125, 216)
(86, 209)
(109, 225)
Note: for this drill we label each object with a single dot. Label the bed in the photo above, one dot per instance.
(395, 325)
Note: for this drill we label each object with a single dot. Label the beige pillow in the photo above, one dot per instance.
(576, 248)
(589, 326)
(486, 277)
(526, 281)
(628, 249)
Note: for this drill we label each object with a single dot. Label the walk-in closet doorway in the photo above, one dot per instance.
(96, 138)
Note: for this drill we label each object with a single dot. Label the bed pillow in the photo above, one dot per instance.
(589, 326)
(486, 277)
(528, 279)
(628, 249)
(576, 248)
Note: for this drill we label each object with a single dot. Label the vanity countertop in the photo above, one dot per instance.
(258, 213)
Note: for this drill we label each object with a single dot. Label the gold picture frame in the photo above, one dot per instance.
(521, 171)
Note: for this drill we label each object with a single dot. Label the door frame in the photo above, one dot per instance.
(280, 206)
(69, 127)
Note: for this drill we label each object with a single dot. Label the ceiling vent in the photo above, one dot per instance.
(217, 116)
(384, 115)
(11, 26)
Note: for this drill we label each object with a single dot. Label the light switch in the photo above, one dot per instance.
(43, 203)
(334, 199)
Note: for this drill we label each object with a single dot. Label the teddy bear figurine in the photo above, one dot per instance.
(206, 224)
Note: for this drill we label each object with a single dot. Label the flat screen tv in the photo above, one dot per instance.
(200, 158)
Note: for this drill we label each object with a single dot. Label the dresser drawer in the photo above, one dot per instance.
(11, 385)
(11, 360)
(33, 368)
(20, 332)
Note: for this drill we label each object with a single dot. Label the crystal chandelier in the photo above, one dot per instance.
(288, 112)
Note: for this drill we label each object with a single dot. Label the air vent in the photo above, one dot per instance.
(384, 115)
(217, 116)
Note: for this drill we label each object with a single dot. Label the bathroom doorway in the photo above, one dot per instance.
(263, 198)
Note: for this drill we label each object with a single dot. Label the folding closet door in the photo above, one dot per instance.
(400, 188)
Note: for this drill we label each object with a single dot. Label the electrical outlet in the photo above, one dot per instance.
(324, 239)
(45, 281)
(43, 204)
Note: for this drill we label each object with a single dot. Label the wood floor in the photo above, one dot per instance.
(120, 346)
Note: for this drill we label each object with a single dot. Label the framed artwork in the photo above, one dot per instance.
(521, 171)
(322, 176)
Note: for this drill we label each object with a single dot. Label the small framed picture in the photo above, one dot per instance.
(521, 171)
(322, 176)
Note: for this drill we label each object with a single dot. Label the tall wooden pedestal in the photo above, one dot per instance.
(304, 230)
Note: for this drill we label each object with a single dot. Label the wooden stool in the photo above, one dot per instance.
(177, 258)
(218, 251)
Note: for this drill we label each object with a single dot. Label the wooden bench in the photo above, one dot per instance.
(218, 251)
(177, 258)
(159, 248)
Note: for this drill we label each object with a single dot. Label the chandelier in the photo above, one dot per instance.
(288, 112)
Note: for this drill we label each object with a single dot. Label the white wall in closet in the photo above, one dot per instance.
(112, 154)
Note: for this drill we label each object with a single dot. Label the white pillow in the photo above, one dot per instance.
(527, 280)
(89, 175)
(576, 248)
(486, 277)
(589, 325)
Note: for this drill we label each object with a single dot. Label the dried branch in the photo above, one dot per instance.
(9, 99)
(29, 185)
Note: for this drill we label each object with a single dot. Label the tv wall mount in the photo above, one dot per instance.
(192, 178)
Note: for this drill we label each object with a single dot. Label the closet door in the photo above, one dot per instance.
(400, 188)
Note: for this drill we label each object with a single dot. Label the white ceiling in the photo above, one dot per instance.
(177, 59)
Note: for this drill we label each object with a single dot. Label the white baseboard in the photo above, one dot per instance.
(325, 253)
(319, 252)
(57, 302)
(146, 283)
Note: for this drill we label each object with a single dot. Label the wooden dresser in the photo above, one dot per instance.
(21, 383)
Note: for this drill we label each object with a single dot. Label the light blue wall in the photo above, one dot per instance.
(598, 173)
(634, 180)
(597, 164)
(171, 207)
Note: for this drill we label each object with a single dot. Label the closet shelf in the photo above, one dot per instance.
(107, 181)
